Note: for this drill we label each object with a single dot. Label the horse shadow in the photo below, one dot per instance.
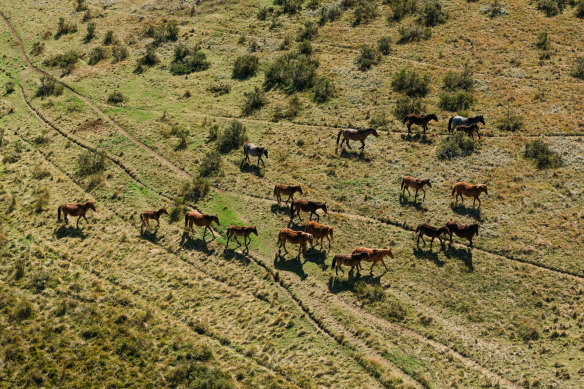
(338, 284)
(408, 201)
(277, 208)
(187, 242)
(360, 155)
(429, 255)
(290, 265)
(66, 231)
(464, 254)
(316, 256)
(296, 226)
(251, 168)
(231, 253)
(417, 137)
(150, 235)
(461, 209)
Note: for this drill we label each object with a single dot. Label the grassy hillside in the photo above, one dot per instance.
(112, 304)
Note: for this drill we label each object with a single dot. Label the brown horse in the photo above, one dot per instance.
(320, 231)
(419, 120)
(375, 255)
(154, 215)
(307, 206)
(75, 210)
(236, 231)
(353, 260)
(416, 183)
(469, 130)
(294, 237)
(201, 220)
(356, 134)
(462, 188)
(432, 232)
(462, 230)
(286, 190)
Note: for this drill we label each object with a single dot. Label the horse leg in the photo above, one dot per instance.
(424, 194)
(348, 145)
(409, 128)
(384, 265)
(362, 145)
(478, 198)
(408, 189)
(65, 217)
(317, 217)
(79, 218)
(371, 269)
(425, 127)
(416, 197)
(418, 242)
(298, 213)
(227, 244)
(470, 240)
(431, 243)
(474, 201)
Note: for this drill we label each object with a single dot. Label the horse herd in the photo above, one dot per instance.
(314, 231)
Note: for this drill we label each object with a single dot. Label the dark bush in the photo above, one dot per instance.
(329, 12)
(455, 101)
(196, 376)
(49, 87)
(378, 120)
(527, 332)
(305, 47)
(432, 14)
(401, 8)
(116, 98)
(307, 32)
(542, 154)
(405, 106)
(579, 9)
(196, 189)
(232, 137)
(90, 32)
(211, 164)
(219, 88)
(64, 28)
(109, 38)
(188, 60)
(97, 54)
(551, 7)
(182, 133)
(9, 87)
(411, 83)
(384, 45)
(459, 81)
(324, 90)
(90, 162)
(149, 59)
(119, 53)
(368, 293)
(289, 6)
(291, 72)
(365, 11)
(166, 32)
(254, 100)
(37, 48)
(456, 145)
(66, 62)
(245, 66)
(578, 71)
(264, 12)
(290, 112)
(369, 56)
(543, 41)
(81, 6)
(413, 33)
(495, 9)
(510, 121)
(21, 311)
(213, 132)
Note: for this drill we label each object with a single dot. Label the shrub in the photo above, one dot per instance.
(432, 14)
(149, 59)
(192, 375)
(64, 28)
(65, 61)
(219, 88)
(253, 46)
(401, 8)
(330, 12)
(96, 55)
(527, 332)
(90, 32)
(291, 111)
(42, 196)
(119, 53)
(411, 83)
(369, 56)
(510, 121)
(245, 66)
(9, 87)
(543, 42)
(456, 145)
(196, 189)
(109, 39)
(542, 154)
(305, 47)
(365, 11)
(579, 9)
(384, 45)
(90, 162)
(166, 32)
(211, 164)
(182, 133)
(232, 137)
(578, 71)
(86, 16)
(495, 9)
(254, 100)
(289, 6)
(307, 32)
(213, 132)
(455, 81)
(413, 33)
(81, 6)
(324, 90)
(291, 72)
(37, 48)
(116, 98)
(405, 106)
(178, 210)
(22, 311)
(188, 60)
(369, 293)
(49, 87)
(456, 101)
(379, 120)
(264, 12)
(551, 7)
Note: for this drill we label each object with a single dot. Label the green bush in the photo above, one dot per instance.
(579, 9)
(291, 72)
(96, 54)
(188, 60)
(413, 33)
(264, 12)
(510, 121)
(401, 8)
(289, 6)
(9, 87)
(49, 87)
(384, 45)
(365, 11)
(109, 38)
(254, 100)
(197, 376)
(543, 42)
(495, 9)
(542, 154)
(196, 189)
(90, 162)
(90, 32)
(369, 56)
(182, 133)
(81, 6)
(232, 137)
(116, 98)
(66, 62)
(578, 71)
(291, 111)
(551, 7)
(379, 120)
(411, 83)
(329, 12)
(324, 90)
(369, 293)
(211, 164)
(245, 66)
(527, 332)
(149, 59)
(119, 53)
(432, 14)
(37, 48)
(21, 311)
(305, 47)
(166, 32)
(219, 88)
(307, 32)
(459, 81)
(405, 106)
(64, 28)
(456, 145)
(455, 101)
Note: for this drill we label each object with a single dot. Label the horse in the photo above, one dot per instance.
(307, 206)
(294, 237)
(356, 134)
(375, 255)
(432, 232)
(154, 215)
(75, 210)
(458, 120)
(462, 188)
(286, 190)
(254, 151)
(419, 120)
(320, 231)
(469, 130)
(241, 231)
(462, 230)
(201, 220)
(353, 260)
(416, 183)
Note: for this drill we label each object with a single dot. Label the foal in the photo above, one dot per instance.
(254, 151)
(353, 260)
(416, 183)
(375, 255)
(462, 188)
(461, 120)
(320, 231)
(154, 215)
(469, 130)
(462, 230)
(432, 232)
(75, 210)
(356, 134)
(286, 190)
(307, 206)
(419, 120)
(294, 237)
(201, 220)
(236, 231)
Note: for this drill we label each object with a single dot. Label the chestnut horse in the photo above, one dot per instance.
(307, 206)
(432, 232)
(416, 183)
(353, 260)
(419, 120)
(462, 188)
(356, 134)
(236, 231)
(201, 220)
(320, 231)
(154, 215)
(375, 255)
(469, 130)
(286, 190)
(294, 237)
(75, 210)
(462, 230)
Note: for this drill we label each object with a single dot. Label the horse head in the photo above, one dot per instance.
(482, 119)
(90, 205)
(444, 230)
(216, 219)
(374, 132)
(299, 189)
(475, 227)
(323, 206)
(255, 231)
(483, 188)
(162, 211)
(433, 117)
(265, 151)
(426, 181)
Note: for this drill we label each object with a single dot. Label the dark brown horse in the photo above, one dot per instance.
(419, 120)
(462, 230)
(236, 231)
(469, 130)
(375, 255)
(200, 220)
(294, 237)
(468, 190)
(353, 260)
(356, 134)
(307, 206)
(154, 215)
(320, 231)
(432, 232)
(286, 190)
(75, 210)
(416, 183)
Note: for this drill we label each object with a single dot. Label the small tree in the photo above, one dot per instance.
(182, 133)
(411, 83)
(109, 38)
(232, 137)
(90, 162)
(432, 14)
(405, 106)
(211, 164)
(119, 53)
(365, 11)
(245, 66)
(413, 33)
(369, 56)
(384, 45)
(96, 55)
(49, 87)
(542, 154)
(324, 90)
(90, 32)
(254, 100)
(510, 121)
(401, 8)
(578, 71)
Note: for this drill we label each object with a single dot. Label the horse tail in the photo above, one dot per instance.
(59, 214)
(417, 229)
(141, 217)
(291, 209)
(403, 183)
(275, 186)
(405, 119)
(334, 263)
(339, 137)
(186, 219)
(450, 124)
(453, 190)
